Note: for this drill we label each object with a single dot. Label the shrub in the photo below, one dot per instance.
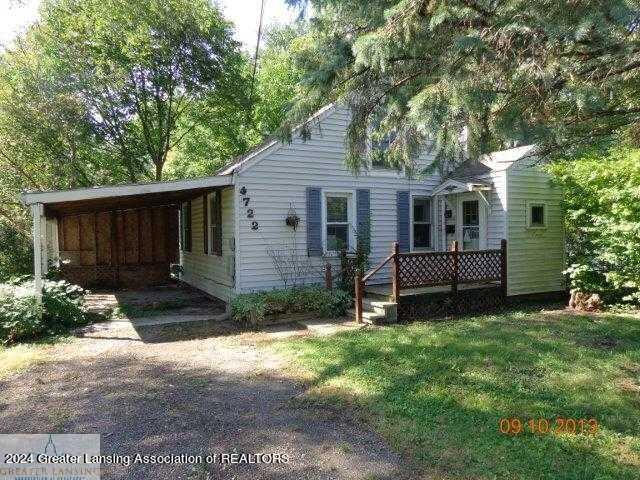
(602, 223)
(21, 317)
(252, 308)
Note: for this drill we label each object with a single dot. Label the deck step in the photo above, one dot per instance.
(388, 309)
(371, 318)
(377, 296)
(377, 312)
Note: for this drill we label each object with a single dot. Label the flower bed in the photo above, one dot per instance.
(289, 305)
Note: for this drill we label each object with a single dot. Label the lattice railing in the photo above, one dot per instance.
(479, 266)
(430, 269)
(425, 269)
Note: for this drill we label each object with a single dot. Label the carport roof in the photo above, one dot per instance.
(124, 196)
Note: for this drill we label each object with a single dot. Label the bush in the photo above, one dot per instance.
(16, 254)
(252, 308)
(21, 318)
(602, 223)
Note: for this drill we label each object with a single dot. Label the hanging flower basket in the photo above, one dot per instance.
(292, 219)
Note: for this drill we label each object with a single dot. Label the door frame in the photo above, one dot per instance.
(482, 218)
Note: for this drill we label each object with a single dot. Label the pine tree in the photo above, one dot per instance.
(561, 74)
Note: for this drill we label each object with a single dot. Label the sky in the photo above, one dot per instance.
(16, 16)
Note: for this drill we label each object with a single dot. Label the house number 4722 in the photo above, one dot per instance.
(246, 200)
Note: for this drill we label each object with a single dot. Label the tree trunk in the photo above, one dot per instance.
(159, 166)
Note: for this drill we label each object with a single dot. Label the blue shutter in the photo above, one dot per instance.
(363, 215)
(402, 208)
(314, 222)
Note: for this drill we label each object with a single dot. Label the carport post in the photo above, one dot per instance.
(37, 212)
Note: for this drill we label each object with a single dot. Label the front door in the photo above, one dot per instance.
(471, 223)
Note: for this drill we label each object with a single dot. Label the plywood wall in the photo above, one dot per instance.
(95, 247)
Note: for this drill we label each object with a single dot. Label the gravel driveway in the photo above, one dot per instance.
(190, 389)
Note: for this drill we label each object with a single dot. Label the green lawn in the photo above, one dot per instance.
(437, 391)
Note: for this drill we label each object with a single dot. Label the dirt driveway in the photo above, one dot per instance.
(190, 389)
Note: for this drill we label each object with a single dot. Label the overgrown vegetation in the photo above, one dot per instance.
(485, 73)
(107, 92)
(437, 391)
(22, 318)
(602, 218)
(253, 308)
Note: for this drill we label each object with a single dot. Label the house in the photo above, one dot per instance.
(281, 212)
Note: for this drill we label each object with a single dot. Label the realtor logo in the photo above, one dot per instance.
(49, 456)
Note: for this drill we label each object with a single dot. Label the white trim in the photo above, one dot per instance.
(535, 203)
(442, 188)
(351, 217)
(431, 224)
(236, 237)
(451, 187)
(29, 198)
(482, 220)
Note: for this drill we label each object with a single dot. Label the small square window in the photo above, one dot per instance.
(537, 216)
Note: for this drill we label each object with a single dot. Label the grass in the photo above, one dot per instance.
(19, 357)
(437, 391)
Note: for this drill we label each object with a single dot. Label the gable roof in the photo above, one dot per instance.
(509, 156)
(470, 170)
(269, 145)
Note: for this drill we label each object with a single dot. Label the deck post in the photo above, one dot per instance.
(358, 291)
(503, 268)
(456, 268)
(328, 279)
(396, 273)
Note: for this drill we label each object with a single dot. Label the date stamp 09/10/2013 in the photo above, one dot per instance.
(548, 426)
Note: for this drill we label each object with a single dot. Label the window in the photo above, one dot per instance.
(215, 223)
(536, 215)
(338, 222)
(185, 227)
(421, 223)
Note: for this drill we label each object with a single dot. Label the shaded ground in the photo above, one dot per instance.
(190, 388)
(173, 300)
(438, 391)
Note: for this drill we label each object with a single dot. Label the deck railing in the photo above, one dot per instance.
(430, 269)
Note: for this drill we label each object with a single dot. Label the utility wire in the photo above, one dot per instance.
(255, 61)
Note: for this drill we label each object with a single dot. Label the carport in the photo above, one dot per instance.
(114, 236)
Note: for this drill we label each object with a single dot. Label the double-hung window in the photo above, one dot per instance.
(421, 223)
(215, 223)
(338, 228)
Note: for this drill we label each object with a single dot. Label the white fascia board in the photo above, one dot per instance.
(29, 198)
(440, 190)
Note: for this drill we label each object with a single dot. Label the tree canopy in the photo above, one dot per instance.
(562, 74)
(105, 91)
(139, 67)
